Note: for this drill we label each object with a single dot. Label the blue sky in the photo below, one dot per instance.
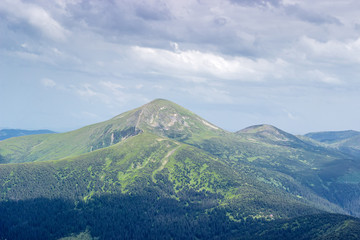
(294, 64)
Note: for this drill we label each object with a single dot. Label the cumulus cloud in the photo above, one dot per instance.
(197, 63)
(35, 16)
(115, 52)
(333, 50)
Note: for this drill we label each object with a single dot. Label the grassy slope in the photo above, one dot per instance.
(160, 117)
(274, 156)
(252, 174)
(151, 166)
(166, 166)
(308, 170)
(57, 146)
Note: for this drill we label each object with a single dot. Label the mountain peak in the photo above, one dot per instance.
(259, 128)
(160, 101)
(269, 132)
(160, 117)
(167, 118)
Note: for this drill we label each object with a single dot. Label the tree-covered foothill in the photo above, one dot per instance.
(150, 217)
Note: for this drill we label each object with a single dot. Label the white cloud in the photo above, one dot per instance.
(35, 16)
(197, 63)
(109, 93)
(333, 50)
(213, 51)
(318, 75)
(48, 82)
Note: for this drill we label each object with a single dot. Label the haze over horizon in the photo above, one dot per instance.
(292, 64)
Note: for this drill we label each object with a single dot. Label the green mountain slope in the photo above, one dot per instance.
(146, 171)
(159, 116)
(162, 172)
(289, 161)
(143, 162)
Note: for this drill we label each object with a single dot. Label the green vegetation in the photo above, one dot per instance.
(162, 172)
(159, 117)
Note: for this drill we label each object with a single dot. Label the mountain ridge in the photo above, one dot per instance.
(160, 154)
(9, 133)
(345, 141)
(159, 116)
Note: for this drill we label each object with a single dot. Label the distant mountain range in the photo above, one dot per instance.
(162, 172)
(9, 133)
(345, 141)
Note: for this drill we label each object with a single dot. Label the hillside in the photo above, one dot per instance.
(157, 177)
(9, 133)
(162, 172)
(345, 141)
(332, 136)
(324, 171)
(159, 116)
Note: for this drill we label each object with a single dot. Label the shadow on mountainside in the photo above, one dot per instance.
(148, 217)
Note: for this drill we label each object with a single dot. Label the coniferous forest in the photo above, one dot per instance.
(162, 172)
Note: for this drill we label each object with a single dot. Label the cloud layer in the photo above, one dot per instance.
(274, 61)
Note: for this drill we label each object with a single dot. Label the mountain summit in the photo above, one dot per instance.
(160, 116)
(168, 119)
(271, 134)
(267, 131)
(162, 172)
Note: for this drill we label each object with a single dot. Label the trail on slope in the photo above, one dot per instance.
(138, 121)
(164, 161)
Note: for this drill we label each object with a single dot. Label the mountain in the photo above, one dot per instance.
(159, 117)
(332, 136)
(9, 133)
(345, 141)
(162, 172)
(270, 134)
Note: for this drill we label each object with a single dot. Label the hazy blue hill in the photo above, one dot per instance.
(332, 136)
(345, 141)
(9, 133)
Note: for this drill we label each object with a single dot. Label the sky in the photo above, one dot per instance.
(294, 64)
